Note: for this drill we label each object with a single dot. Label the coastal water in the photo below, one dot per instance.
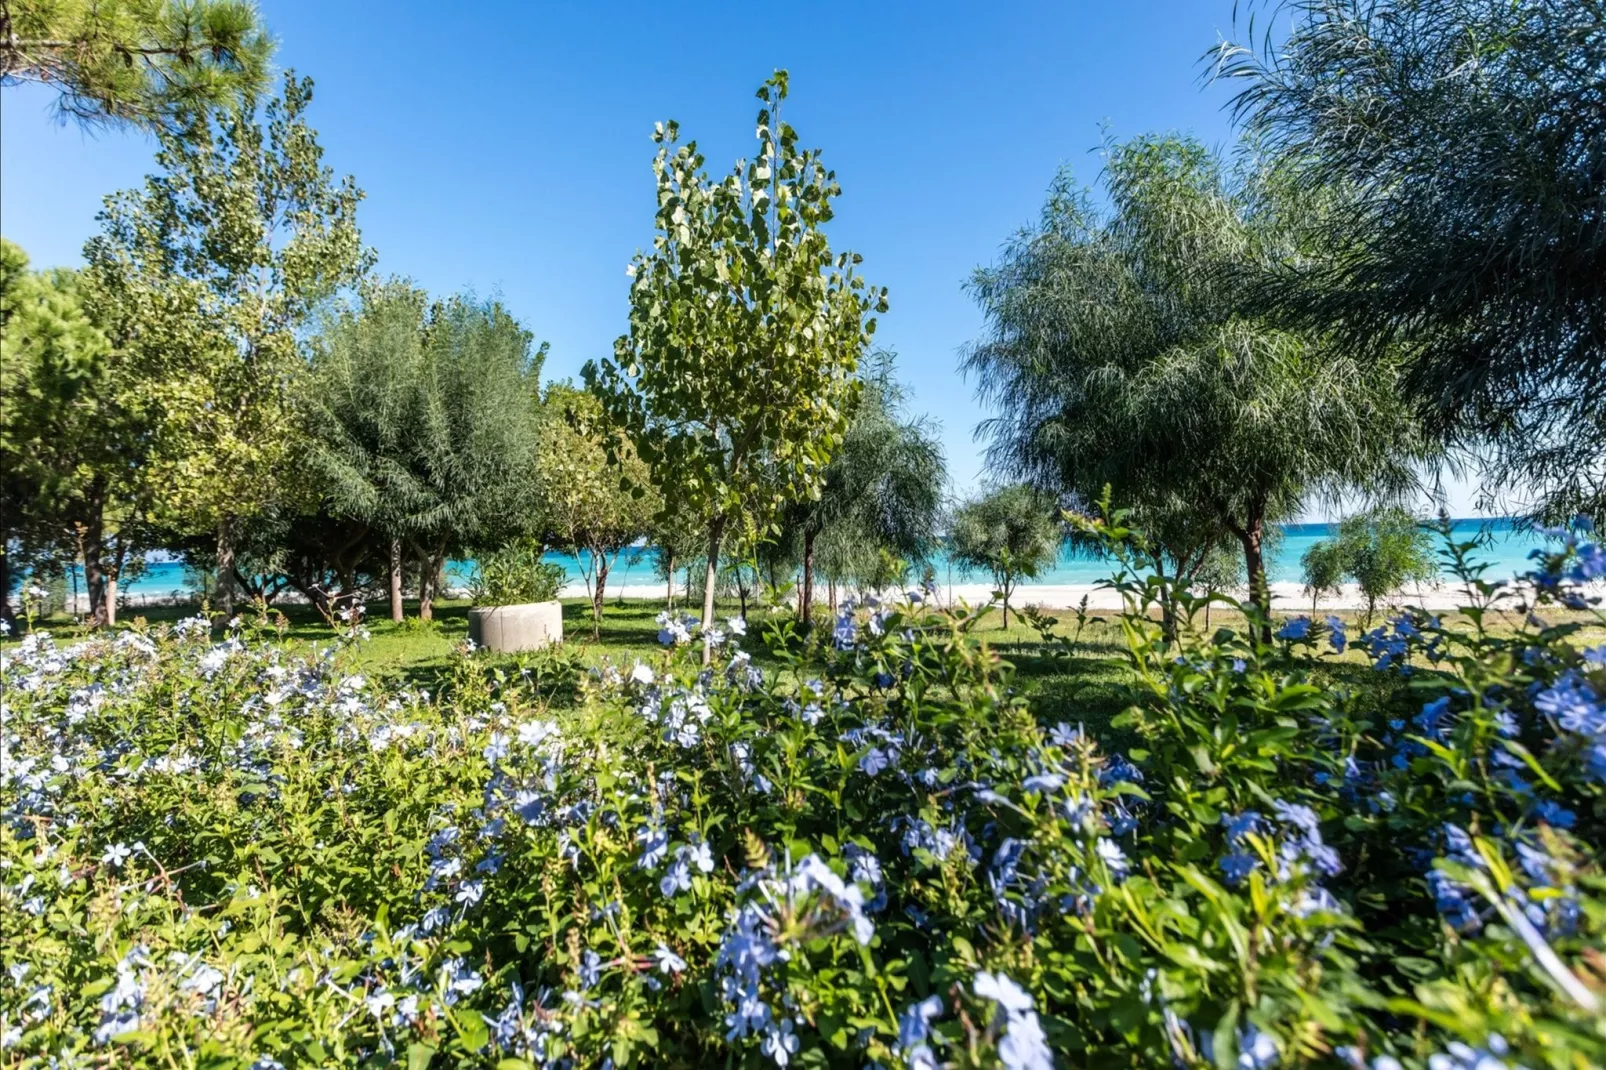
(1505, 546)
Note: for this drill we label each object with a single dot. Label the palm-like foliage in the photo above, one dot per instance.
(1120, 352)
(1464, 145)
(881, 494)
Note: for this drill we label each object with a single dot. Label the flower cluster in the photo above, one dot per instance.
(886, 852)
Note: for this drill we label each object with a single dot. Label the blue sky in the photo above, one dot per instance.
(506, 147)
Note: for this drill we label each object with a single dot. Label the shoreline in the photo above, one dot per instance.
(1287, 597)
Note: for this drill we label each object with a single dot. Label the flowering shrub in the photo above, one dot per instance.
(234, 854)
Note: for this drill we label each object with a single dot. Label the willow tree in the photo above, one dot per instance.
(1122, 351)
(212, 274)
(361, 406)
(467, 481)
(1464, 145)
(136, 61)
(745, 330)
(881, 493)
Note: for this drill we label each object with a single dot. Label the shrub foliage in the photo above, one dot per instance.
(875, 854)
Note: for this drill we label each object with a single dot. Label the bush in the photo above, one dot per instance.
(1381, 550)
(876, 855)
(514, 575)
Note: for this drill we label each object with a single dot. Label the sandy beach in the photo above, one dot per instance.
(1289, 598)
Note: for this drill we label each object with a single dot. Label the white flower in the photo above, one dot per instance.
(668, 961)
(1024, 1047)
(1001, 990)
(116, 854)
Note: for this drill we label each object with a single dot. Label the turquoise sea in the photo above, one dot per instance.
(1506, 545)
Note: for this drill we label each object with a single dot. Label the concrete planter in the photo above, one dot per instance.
(507, 629)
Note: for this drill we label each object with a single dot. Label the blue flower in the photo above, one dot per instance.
(676, 880)
(1237, 866)
(1553, 813)
(1118, 768)
(1573, 705)
(1335, 635)
(1024, 1047)
(1064, 735)
(1241, 825)
(1459, 1056)
(1453, 901)
(1043, 783)
(914, 1024)
(1113, 857)
(1458, 846)
(1298, 815)
(1431, 719)
(590, 969)
(1295, 630)
(1256, 1050)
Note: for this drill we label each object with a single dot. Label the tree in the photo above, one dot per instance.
(678, 539)
(362, 408)
(468, 482)
(736, 378)
(1464, 143)
(74, 433)
(1121, 351)
(136, 61)
(882, 491)
(1012, 533)
(593, 500)
(1381, 550)
(211, 274)
(1322, 565)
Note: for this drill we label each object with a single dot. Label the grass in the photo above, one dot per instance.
(1083, 682)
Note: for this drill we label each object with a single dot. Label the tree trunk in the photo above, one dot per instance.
(808, 577)
(1005, 586)
(715, 531)
(114, 575)
(94, 574)
(596, 604)
(669, 581)
(92, 547)
(397, 611)
(225, 566)
(1252, 536)
(5, 589)
(426, 587)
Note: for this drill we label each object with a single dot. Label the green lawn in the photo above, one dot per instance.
(1082, 684)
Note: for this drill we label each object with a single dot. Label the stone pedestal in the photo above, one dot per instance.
(508, 629)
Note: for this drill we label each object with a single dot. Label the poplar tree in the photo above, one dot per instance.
(211, 274)
(736, 378)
